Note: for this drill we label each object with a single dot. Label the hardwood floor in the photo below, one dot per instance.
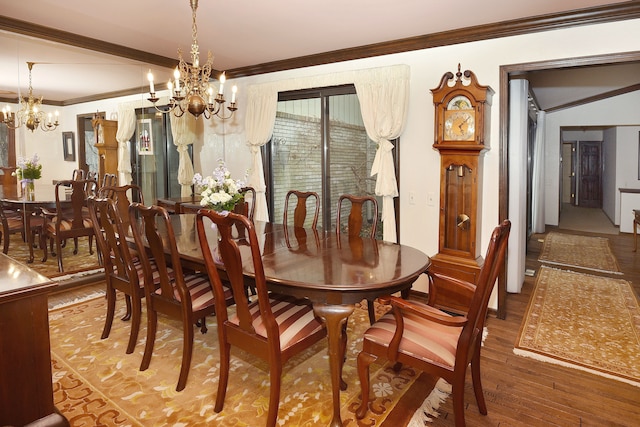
(523, 392)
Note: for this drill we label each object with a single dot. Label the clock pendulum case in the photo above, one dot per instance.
(461, 128)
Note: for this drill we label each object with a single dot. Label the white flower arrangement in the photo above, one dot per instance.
(219, 191)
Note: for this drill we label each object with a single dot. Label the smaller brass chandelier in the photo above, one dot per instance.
(31, 114)
(190, 84)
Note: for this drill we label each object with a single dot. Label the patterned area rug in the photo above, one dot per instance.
(96, 383)
(75, 266)
(585, 322)
(589, 253)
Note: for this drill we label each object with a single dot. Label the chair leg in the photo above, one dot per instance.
(136, 309)
(43, 244)
(111, 308)
(477, 382)
(75, 246)
(225, 354)
(127, 314)
(187, 351)
(364, 360)
(457, 392)
(372, 312)
(59, 249)
(152, 326)
(275, 376)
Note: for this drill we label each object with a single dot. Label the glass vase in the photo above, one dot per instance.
(30, 190)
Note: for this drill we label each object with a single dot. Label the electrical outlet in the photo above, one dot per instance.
(431, 199)
(412, 198)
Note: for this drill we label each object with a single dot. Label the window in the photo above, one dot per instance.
(320, 144)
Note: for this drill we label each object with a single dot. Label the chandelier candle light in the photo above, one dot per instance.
(31, 113)
(190, 84)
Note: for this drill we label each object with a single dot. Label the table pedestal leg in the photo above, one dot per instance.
(334, 316)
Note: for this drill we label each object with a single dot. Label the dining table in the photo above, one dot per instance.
(334, 271)
(44, 196)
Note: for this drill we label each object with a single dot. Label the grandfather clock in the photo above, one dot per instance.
(462, 108)
(107, 145)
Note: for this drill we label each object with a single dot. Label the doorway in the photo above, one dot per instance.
(508, 72)
(589, 175)
(87, 150)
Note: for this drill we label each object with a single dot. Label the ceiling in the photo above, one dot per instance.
(246, 33)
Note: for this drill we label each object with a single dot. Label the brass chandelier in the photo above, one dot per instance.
(31, 114)
(190, 84)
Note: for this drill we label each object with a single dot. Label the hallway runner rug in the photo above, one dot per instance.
(588, 253)
(96, 383)
(585, 322)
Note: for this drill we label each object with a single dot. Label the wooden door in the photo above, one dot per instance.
(590, 187)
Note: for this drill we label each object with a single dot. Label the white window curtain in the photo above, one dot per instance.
(126, 128)
(386, 90)
(384, 97)
(537, 185)
(262, 104)
(183, 130)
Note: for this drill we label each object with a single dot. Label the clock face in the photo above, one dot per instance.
(459, 125)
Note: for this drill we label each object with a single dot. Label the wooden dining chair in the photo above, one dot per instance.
(122, 268)
(269, 326)
(357, 227)
(109, 180)
(123, 196)
(435, 341)
(69, 220)
(356, 224)
(300, 210)
(12, 222)
(184, 295)
(247, 207)
(77, 174)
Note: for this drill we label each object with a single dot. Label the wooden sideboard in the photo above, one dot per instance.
(26, 389)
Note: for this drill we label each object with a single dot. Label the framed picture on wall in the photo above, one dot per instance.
(68, 146)
(145, 137)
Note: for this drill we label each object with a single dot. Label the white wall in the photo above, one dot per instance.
(419, 161)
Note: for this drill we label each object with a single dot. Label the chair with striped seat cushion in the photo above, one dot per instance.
(70, 219)
(183, 295)
(434, 341)
(123, 270)
(12, 222)
(272, 327)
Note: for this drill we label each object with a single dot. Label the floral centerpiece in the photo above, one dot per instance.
(29, 169)
(219, 191)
